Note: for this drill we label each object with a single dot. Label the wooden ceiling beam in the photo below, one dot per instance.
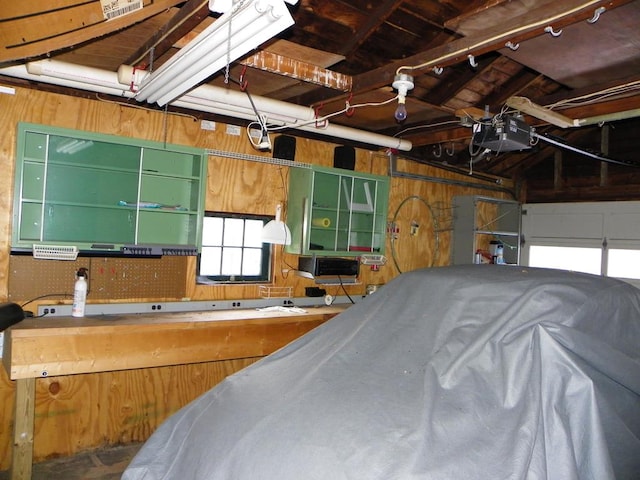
(306, 72)
(516, 84)
(188, 17)
(456, 81)
(37, 34)
(374, 19)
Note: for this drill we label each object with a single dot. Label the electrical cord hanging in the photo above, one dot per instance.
(345, 290)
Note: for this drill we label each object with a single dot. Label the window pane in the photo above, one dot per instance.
(210, 260)
(233, 232)
(252, 262)
(253, 233)
(624, 263)
(232, 250)
(577, 259)
(212, 231)
(232, 261)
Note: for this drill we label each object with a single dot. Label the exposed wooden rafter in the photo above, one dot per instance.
(63, 26)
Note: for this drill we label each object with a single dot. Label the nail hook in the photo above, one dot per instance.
(437, 152)
(596, 14)
(472, 61)
(452, 151)
(552, 32)
(512, 46)
(438, 70)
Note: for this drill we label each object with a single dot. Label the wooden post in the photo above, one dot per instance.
(21, 464)
(558, 183)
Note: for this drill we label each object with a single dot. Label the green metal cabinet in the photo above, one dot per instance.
(101, 192)
(334, 212)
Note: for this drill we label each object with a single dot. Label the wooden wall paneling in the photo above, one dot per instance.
(117, 407)
(127, 406)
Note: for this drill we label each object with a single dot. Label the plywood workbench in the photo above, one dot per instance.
(44, 347)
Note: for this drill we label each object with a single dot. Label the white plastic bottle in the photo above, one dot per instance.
(79, 293)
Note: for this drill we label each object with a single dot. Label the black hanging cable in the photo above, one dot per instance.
(560, 142)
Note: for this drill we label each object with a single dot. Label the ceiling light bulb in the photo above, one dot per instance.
(401, 111)
(402, 83)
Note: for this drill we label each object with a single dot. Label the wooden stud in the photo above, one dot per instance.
(23, 429)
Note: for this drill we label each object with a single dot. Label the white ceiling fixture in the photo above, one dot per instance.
(245, 26)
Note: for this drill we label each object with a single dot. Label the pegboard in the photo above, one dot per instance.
(109, 277)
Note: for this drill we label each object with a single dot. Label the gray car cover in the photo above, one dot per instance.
(469, 372)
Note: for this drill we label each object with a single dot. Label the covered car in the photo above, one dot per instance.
(451, 373)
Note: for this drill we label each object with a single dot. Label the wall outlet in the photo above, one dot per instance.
(208, 125)
(233, 130)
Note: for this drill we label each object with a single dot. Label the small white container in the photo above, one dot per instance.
(79, 294)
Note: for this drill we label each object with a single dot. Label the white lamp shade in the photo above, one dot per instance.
(276, 231)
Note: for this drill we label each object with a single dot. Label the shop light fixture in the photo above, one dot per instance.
(248, 24)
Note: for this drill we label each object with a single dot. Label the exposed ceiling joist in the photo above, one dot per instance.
(184, 21)
(306, 72)
(84, 21)
(529, 25)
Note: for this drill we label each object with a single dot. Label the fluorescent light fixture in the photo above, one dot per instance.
(276, 231)
(525, 105)
(246, 26)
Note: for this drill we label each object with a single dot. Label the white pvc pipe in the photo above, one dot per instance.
(206, 98)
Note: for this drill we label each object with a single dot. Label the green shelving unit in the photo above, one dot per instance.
(334, 212)
(101, 192)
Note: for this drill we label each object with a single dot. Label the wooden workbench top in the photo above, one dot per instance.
(40, 347)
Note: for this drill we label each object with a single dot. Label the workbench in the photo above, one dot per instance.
(44, 347)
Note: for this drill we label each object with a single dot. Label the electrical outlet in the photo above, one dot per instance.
(208, 125)
(233, 130)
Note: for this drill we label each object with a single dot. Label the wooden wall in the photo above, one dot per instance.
(120, 407)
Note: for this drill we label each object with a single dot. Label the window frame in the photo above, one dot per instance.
(236, 279)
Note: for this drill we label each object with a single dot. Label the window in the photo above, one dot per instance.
(232, 249)
(624, 263)
(578, 259)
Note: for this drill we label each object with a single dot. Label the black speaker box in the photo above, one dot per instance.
(344, 157)
(284, 147)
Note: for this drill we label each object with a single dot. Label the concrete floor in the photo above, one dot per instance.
(103, 464)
